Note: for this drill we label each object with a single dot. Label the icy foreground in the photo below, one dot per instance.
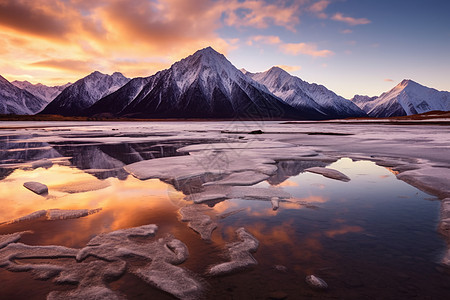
(110, 251)
(215, 163)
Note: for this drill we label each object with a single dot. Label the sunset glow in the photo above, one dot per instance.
(349, 46)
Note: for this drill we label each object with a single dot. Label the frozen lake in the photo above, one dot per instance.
(240, 210)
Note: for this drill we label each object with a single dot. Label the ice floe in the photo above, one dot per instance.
(429, 179)
(330, 173)
(82, 186)
(239, 254)
(242, 192)
(55, 214)
(42, 163)
(316, 282)
(36, 187)
(240, 178)
(198, 220)
(7, 239)
(109, 252)
(92, 280)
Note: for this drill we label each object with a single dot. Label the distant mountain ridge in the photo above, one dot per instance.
(202, 85)
(207, 85)
(46, 93)
(84, 93)
(301, 94)
(406, 98)
(14, 100)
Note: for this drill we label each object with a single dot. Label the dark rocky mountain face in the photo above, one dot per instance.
(203, 85)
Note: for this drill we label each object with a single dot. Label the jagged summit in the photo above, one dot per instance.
(303, 95)
(202, 85)
(14, 100)
(406, 98)
(42, 91)
(85, 92)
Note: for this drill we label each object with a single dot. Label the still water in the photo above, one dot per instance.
(373, 237)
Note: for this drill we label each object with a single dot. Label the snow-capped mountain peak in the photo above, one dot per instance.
(303, 95)
(85, 92)
(406, 98)
(14, 100)
(44, 92)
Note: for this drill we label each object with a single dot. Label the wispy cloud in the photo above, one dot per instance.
(304, 48)
(265, 39)
(388, 80)
(289, 68)
(319, 7)
(346, 31)
(349, 20)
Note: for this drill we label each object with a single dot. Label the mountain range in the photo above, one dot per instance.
(206, 85)
(407, 98)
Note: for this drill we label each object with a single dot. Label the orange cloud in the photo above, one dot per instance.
(388, 80)
(64, 64)
(44, 39)
(260, 14)
(349, 20)
(266, 39)
(319, 7)
(304, 48)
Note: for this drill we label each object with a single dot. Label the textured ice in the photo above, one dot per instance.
(184, 167)
(429, 179)
(316, 282)
(239, 254)
(330, 173)
(198, 220)
(92, 279)
(15, 251)
(240, 178)
(229, 146)
(244, 192)
(63, 214)
(108, 252)
(275, 203)
(444, 223)
(36, 187)
(82, 186)
(55, 214)
(42, 163)
(7, 239)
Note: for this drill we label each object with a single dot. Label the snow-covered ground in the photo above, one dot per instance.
(223, 165)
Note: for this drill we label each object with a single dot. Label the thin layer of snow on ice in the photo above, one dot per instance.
(7, 239)
(238, 192)
(82, 186)
(198, 220)
(330, 173)
(239, 253)
(434, 180)
(316, 282)
(240, 178)
(36, 187)
(92, 280)
(55, 214)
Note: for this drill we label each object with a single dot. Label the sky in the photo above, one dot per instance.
(352, 47)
